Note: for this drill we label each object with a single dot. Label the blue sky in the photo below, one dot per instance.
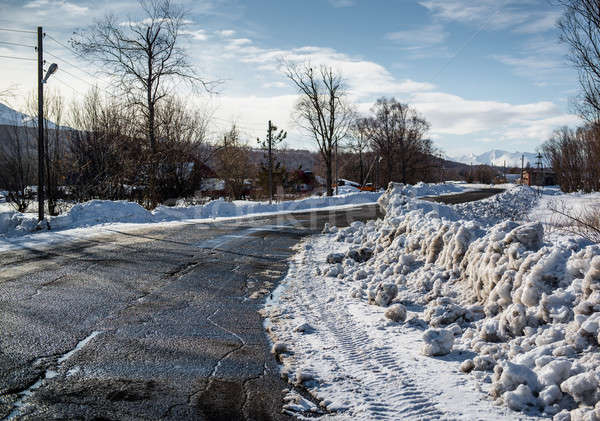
(486, 74)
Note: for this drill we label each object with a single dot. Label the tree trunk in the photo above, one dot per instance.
(329, 173)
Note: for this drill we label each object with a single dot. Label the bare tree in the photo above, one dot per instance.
(182, 148)
(55, 144)
(358, 144)
(18, 164)
(580, 31)
(397, 133)
(233, 164)
(143, 57)
(574, 157)
(104, 155)
(322, 109)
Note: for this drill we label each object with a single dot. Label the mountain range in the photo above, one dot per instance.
(11, 117)
(498, 158)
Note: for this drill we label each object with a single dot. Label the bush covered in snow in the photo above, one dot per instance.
(491, 284)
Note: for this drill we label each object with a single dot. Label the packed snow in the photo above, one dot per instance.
(462, 312)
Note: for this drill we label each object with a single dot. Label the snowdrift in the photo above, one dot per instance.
(97, 212)
(490, 284)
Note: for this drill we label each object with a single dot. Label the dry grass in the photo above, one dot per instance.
(583, 222)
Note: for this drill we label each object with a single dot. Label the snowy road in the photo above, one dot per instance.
(149, 323)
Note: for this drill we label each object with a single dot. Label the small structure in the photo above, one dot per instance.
(539, 177)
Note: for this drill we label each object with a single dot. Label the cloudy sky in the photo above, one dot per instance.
(486, 73)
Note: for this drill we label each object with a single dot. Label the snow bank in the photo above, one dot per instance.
(490, 283)
(103, 211)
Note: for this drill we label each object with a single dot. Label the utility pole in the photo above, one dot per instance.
(40, 188)
(270, 145)
(522, 167)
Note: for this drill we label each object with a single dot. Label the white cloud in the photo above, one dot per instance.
(342, 3)
(198, 34)
(365, 78)
(425, 36)
(237, 43)
(55, 5)
(226, 33)
(541, 60)
(453, 115)
(275, 85)
(525, 16)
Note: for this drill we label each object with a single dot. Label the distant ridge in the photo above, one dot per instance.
(497, 157)
(11, 117)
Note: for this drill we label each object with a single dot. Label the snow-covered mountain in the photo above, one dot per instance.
(11, 117)
(498, 158)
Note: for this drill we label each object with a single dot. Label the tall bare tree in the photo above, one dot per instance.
(143, 57)
(322, 109)
(358, 144)
(56, 138)
(182, 147)
(233, 164)
(580, 31)
(397, 133)
(104, 156)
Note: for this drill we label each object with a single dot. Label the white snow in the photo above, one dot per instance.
(97, 212)
(517, 311)
(94, 217)
(437, 342)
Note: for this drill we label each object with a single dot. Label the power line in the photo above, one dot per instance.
(63, 45)
(17, 30)
(68, 85)
(73, 65)
(17, 44)
(19, 58)
(466, 43)
(77, 77)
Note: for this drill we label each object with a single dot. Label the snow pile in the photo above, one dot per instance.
(103, 211)
(437, 342)
(489, 284)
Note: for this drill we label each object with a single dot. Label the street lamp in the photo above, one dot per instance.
(51, 70)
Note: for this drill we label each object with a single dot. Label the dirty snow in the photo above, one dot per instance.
(503, 322)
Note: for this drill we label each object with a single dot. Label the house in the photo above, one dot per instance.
(539, 177)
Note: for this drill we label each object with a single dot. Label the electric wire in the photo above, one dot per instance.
(20, 58)
(17, 44)
(64, 61)
(17, 30)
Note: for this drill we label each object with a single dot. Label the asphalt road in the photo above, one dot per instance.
(469, 196)
(156, 323)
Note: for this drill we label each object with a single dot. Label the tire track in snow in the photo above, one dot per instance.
(382, 387)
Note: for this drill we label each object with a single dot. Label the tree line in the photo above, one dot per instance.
(574, 154)
(140, 141)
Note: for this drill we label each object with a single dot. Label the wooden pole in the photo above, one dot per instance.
(40, 187)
